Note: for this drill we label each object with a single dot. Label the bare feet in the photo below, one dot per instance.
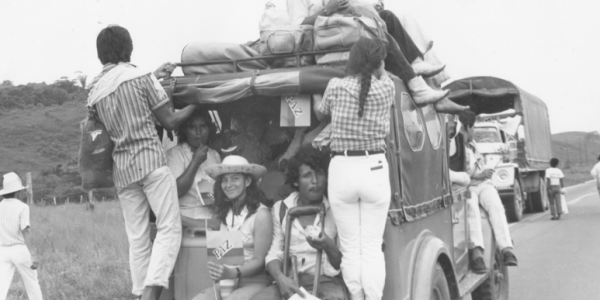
(425, 69)
(447, 106)
(423, 94)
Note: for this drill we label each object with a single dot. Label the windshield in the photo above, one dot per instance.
(487, 135)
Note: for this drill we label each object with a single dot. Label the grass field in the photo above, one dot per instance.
(83, 254)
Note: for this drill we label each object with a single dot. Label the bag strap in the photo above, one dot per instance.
(282, 211)
(367, 28)
(93, 114)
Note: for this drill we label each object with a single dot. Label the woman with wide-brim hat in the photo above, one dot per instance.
(240, 206)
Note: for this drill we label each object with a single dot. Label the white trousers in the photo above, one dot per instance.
(359, 194)
(487, 195)
(151, 265)
(18, 257)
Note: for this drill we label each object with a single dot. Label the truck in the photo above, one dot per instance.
(512, 132)
(426, 239)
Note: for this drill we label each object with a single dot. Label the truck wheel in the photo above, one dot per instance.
(439, 285)
(514, 204)
(496, 286)
(539, 198)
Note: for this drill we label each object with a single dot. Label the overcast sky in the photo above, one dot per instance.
(548, 47)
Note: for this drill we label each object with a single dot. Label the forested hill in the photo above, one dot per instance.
(39, 133)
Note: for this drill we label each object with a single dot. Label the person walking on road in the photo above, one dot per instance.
(16, 251)
(555, 186)
(596, 174)
(126, 100)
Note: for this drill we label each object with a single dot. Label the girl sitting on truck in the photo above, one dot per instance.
(239, 206)
(187, 162)
(359, 186)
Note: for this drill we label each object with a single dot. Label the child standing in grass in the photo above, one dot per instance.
(554, 184)
(16, 252)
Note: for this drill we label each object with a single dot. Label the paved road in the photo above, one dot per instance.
(559, 260)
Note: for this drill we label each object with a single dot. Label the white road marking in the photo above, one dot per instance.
(537, 216)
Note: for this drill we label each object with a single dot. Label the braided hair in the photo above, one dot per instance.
(366, 56)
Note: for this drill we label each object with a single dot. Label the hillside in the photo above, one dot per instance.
(578, 152)
(44, 141)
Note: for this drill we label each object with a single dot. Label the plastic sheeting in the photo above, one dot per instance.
(493, 95)
(223, 88)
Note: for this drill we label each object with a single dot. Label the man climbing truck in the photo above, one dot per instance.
(513, 133)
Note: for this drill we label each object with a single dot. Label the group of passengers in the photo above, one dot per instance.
(353, 173)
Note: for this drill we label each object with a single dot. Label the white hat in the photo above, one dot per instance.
(12, 183)
(236, 164)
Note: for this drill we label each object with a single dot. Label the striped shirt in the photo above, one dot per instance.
(14, 217)
(127, 116)
(348, 130)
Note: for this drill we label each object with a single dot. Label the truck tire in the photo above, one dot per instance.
(496, 286)
(539, 198)
(439, 285)
(514, 204)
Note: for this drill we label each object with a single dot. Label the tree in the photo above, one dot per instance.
(82, 79)
(66, 84)
(7, 83)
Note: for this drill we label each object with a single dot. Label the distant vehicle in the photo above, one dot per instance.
(513, 133)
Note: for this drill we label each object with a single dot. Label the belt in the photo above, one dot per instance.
(357, 152)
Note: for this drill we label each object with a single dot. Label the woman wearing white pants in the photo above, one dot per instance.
(359, 187)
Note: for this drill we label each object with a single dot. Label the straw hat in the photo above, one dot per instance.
(12, 183)
(236, 164)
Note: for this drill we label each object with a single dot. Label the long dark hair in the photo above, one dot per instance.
(254, 197)
(366, 56)
(198, 113)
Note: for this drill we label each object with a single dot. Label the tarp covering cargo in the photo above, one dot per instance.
(221, 88)
(493, 95)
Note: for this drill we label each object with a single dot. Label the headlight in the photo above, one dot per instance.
(503, 174)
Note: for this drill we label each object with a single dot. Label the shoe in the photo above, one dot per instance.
(425, 69)
(558, 218)
(553, 218)
(510, 259)
(478, 265)
(448, 106)
(422, 94)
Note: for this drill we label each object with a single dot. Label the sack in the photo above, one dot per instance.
(338, 31)
(201, 51)
(95, 154)
(563, 204)
(274, 17)
(286, 40)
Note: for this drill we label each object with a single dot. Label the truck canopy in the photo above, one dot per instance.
(490, 95)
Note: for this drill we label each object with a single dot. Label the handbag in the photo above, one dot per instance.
(95, 154)
(337, 31)
(563, 204)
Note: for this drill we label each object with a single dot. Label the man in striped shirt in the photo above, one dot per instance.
(15, 240)
(126, 101)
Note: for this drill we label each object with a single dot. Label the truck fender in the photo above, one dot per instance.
(432, 251)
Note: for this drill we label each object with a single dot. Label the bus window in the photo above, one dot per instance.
(413, 123)
(434, 129)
